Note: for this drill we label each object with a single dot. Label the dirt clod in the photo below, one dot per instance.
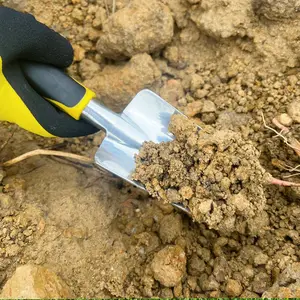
(233, 288)
(32, 282)
(168, 266)
(117, 91)
(294, 110)
(144, 26)
(170, 228)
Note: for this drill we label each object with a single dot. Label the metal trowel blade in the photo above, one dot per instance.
(146, 118)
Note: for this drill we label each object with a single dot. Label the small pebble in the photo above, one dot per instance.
(233, 288)
(285, 120)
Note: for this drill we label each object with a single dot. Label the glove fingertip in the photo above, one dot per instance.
(67, 59)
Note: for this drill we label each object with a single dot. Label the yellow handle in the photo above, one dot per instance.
(59, 88)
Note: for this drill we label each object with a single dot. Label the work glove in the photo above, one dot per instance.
(23, 38)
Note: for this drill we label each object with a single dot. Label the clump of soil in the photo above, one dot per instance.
(168, 265)
(147, 26)
(215, 173)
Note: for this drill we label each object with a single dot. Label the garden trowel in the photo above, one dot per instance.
(146, 118)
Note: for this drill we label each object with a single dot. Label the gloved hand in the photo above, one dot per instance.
(22, 37)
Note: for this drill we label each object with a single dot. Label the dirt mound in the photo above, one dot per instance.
(216, 174)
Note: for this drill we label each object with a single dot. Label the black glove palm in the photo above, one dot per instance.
(24, 38)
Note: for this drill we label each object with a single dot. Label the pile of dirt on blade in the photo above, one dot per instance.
(215, 173)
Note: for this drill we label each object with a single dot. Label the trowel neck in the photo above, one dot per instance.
(113, 123)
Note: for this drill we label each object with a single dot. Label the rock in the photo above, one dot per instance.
(178, 290)
(79, 53)
(2, 175)
(34, 282)
(179, 10)
(294, 110)
(78, 15)
(210, 284)
(88, 69)
(201, 93)
(186, 192)
(168, 266)
(277, 85)
(6, 201)
(283, 292)
(276, 9)
(285, 120)
(116, 85)
(174, 57)
(223, 21)
(208, 118)
(166, 293)
(248, 272)
(166, 208)
(196, 266)
(232, 120)
(170, 228)
(193, 108)
(142, 26)
(261, 282)
(290, 274)
(292, 79)
(205, 206)
(208, 107)
(249, 295)
(258, 224)
(196, 82)
(221, 269)
(260, 259)
(100, 18)
(287, 285)
(172, 91)
(233, 288)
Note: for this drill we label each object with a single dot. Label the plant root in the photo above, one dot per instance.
(283, 129)
(27, 155)
(294, 144)
(280, 182)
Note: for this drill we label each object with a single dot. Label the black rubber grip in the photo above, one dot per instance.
(53, 83)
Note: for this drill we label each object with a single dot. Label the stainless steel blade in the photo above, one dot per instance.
(146, 118)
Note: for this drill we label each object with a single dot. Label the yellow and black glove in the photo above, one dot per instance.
(23, 38)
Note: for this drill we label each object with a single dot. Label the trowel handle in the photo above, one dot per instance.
(59, 88)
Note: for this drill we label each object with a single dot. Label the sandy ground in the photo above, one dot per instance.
(220, 62)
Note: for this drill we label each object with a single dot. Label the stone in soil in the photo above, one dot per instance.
(144, 26)
(168, 266)
(33, 282)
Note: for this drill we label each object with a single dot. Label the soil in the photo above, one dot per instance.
(222, 63)
(214, 173)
